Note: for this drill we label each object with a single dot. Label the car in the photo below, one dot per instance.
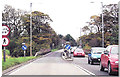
(73, 49)
(79, 52)
(95, 54)
(109, 59)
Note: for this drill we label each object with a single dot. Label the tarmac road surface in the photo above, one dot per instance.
(52, 64)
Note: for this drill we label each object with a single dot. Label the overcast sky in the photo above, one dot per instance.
(67, 15)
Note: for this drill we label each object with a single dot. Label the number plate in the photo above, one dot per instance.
(79, 54)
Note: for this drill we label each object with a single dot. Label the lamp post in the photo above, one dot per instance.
(31, 29)
(102, 25)
(80, 38)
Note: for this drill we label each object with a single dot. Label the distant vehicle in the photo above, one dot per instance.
(73, 49)
(79, 52)
(95, 54)
(109, 59)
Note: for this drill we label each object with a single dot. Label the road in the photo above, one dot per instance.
(81, 61)
(53, 64)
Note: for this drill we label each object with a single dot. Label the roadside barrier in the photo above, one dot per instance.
(42, 52)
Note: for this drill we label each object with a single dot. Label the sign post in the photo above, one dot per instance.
(4, 55)
(24, 53)
(24, 47)
(5, 40)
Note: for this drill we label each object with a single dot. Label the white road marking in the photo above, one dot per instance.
(20, 68)
(83, 69)
(77, 66)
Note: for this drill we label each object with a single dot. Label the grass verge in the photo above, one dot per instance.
(14, 61)
(54, 50)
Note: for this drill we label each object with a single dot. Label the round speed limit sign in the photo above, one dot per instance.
(5, 30)
(5, 41)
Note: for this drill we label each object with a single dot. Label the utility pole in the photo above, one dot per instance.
(102, 26)
(31, 29)
(119, 28)
(80, 38)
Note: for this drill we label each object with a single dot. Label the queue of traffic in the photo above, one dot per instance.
(106, 57)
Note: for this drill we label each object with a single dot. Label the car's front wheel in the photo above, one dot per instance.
(91, 62)
(109, 69)
(101, 67)
(74, 56)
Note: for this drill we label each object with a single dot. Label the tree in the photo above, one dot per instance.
(110, 16)
(69, 38)
(19, 22)
(85, 29)
(60, 36)
(13, 18)
(96, 21)
(111, 23)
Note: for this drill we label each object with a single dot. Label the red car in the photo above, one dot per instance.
(109, 59)
(79, 52)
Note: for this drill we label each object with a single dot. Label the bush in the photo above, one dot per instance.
(6, 51)
(87, 52)
(54, 50)
(87, 47)
(14, 61)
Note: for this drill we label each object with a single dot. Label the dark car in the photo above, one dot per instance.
(109, 59)
(95, 54)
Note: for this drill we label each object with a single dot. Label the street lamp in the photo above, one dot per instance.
(80, 38)
(31, 29)
(102, 25)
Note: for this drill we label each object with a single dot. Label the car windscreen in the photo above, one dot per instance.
(98, 51)
(79, 50)
(114, 50)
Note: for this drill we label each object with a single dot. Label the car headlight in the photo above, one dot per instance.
(116, 62)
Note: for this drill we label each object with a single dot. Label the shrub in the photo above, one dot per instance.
(14, 61)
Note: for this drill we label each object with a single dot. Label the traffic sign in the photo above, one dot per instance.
(5, 41)
(5, 30)
(24, 47)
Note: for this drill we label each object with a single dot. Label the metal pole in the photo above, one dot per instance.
(24, 53)
(4, 55)
(102, 26)
(119, 33)
(80, 38)
(80, 31)
(31, 30)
